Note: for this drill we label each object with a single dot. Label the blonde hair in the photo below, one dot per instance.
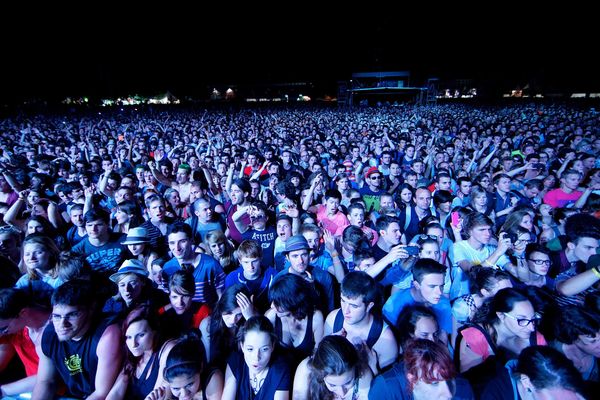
(227, 260)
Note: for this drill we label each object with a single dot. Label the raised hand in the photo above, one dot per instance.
(246, 305)
(330, 240)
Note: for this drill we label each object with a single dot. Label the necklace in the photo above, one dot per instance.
(256, 382)
(354, 392)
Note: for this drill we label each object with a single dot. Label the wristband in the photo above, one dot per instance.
(596, 272)
(334, 254)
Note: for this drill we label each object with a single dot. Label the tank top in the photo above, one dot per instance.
(374, 332)
(305, 348)
(140, 387)
(75, 361)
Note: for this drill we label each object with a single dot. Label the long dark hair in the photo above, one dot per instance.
(548, 368)
(222, 339)
(140, 313)
(334, 355)
(503, 302)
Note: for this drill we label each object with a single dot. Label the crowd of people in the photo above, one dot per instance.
(439, 252)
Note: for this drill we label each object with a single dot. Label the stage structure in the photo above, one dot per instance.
(373, 87)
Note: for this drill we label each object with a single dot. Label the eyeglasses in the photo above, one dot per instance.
(525, 321)
(376, 177)
(72, 316)
(526, 241)
(423, 236)
(540, 262)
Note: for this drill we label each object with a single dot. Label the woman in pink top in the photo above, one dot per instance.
(502, 327)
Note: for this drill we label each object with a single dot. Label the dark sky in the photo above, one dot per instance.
(114, 51)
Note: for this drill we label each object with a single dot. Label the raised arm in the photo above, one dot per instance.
(10, 179)
(237, 218)
(11, 215)
(158, 175)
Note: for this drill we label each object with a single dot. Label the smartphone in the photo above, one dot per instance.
(455, 217)
(412, 250)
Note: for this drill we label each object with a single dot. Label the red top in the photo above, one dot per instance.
(25, 348)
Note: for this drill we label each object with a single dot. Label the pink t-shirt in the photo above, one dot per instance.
(557, 198)
(476, 341)
(338, 222)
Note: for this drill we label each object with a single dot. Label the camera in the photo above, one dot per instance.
(512, 236)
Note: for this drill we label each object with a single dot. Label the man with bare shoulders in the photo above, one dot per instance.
(357, 321)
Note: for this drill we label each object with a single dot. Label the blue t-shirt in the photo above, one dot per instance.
(208, 277)
(266, 238)
(395, 304)
(106, 258)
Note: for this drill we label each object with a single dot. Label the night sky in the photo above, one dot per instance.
(113, 51)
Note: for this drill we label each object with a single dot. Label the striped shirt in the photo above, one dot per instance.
(208, 277)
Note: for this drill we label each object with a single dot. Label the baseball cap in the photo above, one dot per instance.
(371, 171)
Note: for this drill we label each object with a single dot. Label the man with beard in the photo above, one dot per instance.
(297, 253)
(78, 347)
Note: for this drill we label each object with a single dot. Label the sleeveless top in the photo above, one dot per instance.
(374, 332)
(305, 348)
(140, 387)
(75, 361)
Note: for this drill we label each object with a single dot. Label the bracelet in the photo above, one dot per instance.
(596, 272)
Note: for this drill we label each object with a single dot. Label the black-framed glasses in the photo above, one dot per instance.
(524, 321)
(540, 262)
(423, 236)
(375, 177)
